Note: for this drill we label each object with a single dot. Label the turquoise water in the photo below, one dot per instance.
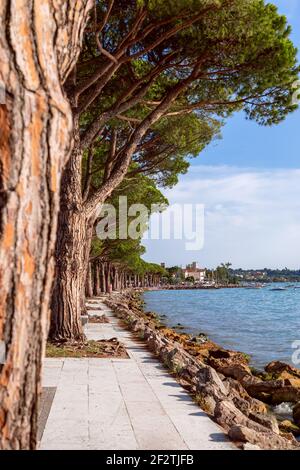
(260, 322)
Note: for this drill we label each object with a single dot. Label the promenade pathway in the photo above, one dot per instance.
(117, 404)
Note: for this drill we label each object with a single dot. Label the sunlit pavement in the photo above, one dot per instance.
(117, 404)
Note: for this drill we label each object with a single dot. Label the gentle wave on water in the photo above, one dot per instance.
(261, 322)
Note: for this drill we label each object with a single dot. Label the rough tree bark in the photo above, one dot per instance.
(89, 282)
(39, 44)
(96, 278)
(103, 281)
(70, 255)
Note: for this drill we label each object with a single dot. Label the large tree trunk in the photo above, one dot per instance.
(66, 305)
(116, 279)
(108, 278)
(102, 277)
(89, 282)
(123, 286)
(39, 45)
(72, 251)
(96, 281)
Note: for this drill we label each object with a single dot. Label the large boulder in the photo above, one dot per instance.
(278, 367)
(264, 439)
(154, 342)
(231, 356)
(210, 389)
(242, 400)
(253, 409)
(230, 368)
(190, 372)
(207, 375)
(138, 325)
(230, 364)
(287, 393)
(272, 391)
(268, 421)
(176, 358)
(227, 415)
(281, 371)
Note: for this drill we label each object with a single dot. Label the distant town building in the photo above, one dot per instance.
(192, 270)
(163, 265)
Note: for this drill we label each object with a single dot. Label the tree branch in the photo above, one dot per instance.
(118, 108)
(106, 16)
(111, 156)
(118, 173)
(88, 175)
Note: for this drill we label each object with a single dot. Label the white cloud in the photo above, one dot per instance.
(252, 218)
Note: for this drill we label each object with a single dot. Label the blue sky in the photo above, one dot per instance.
(245, 143)
(249, 183)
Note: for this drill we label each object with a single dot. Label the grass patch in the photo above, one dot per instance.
(92, 348)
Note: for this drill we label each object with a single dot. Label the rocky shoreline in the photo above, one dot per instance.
(236, 396)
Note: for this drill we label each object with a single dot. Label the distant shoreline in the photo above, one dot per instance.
(246, 285)
(196, 287)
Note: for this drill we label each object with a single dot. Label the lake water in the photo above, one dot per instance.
(260, 322)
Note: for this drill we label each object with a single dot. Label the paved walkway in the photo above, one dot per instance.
(117, 404)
